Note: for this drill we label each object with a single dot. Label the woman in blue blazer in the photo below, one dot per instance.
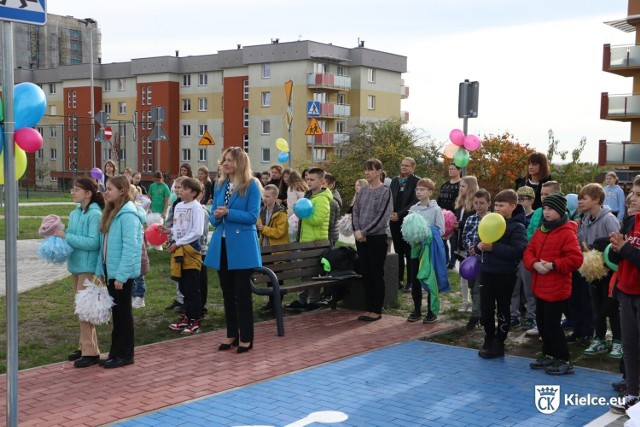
(234, 250)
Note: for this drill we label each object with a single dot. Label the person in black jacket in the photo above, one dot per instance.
(537, 174)
(403, 191)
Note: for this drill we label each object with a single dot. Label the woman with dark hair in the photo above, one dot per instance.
(207, 185)
(447, 200)
(284, 187)
(185, 170)
(537, 174)
(83, 235)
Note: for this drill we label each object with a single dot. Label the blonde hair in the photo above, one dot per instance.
(296, 182)
(472, 187)
(272, 189)
(111, 209)
(363, 184)
(243, 176)
(426, 183)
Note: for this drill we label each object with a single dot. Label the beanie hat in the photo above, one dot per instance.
(50, 224)
(557, 202)
(526, 191)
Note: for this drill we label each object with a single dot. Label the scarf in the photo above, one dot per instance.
(549, 226)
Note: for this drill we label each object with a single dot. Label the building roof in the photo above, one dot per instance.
(628, 24)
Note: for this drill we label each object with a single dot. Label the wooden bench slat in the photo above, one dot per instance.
(294, 246)
(294, 265)
(292, 274)
(267, 260)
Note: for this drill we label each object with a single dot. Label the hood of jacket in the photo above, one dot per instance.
(130, 207)
(422, 208)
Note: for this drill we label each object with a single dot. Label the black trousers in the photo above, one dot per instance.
(604, 307)
(189, 286)
(204, 285)
(496, 290)
(548, 316)
(371, 256)
(238, 302)
(122, 339)
(416, 288)
(580, 307)
(403, 249)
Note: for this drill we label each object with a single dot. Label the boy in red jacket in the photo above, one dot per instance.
(552, 256)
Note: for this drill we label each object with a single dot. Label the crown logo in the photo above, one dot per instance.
(547, 391)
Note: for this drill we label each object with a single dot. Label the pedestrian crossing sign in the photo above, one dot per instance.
(313, 109)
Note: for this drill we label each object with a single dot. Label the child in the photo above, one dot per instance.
(481, 203)
(119, 263)
(598, 223)
(336, 205)
(159, 193)
(464, 209)
(186, 262)
(552, 256)
(498, 267)
(178, 303)
(430, 210)
(614, 196)
(273, 227)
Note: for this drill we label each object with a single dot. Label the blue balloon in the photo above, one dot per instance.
(283, 157)
(572, 203)
(303, 208)
(29, 105)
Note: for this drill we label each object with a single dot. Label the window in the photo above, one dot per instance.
(74, 123)
(186, 130)
(319, 154)
(106, 85)
(222, 103)
(73, 145)
(371, 102)
(53, 110)
(40, 153)
(266, 127)
(122, 108)
(320, 68)
(340, 70)
(245, 90)
(107, 107)
(148, 95)
(122, 85)
(266, 155)
(266, 99)
(143, 98)
(186, 154)
(371, 75)
(106, 154)
(123, 154)
(266, 71)
(186, 80)
(52, 88)
(149, 165)
(53, 179)
(340, 99)
(186, 104)
(245, 142)
(203, 79)
(202, 154)
(71, 99)
(202, 129)
(53, 152)
(53, 132)
(40, 130)
(245, 117)
(340, 126)
(203, 104)
(150, 147)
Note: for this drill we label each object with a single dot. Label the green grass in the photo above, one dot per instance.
(44, 210)
(27, 228)
(44, 196)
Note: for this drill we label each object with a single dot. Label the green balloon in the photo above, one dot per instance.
(461, 157)
(610, 264)
(1, 111)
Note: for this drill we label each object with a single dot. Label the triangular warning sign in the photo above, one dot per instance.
(207, 139)
(313, 128)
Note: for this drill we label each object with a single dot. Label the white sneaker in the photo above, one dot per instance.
(137, 302)
(533, 332)
(616, 350)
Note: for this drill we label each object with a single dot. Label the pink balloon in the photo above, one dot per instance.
(457, 137)
(472, 142)
(28, 139)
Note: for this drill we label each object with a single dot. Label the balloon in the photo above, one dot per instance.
(450, 150)
(29, 105)
(1, 110)
(572, 202)
(96, 173)
(303, 208)
(461, 158)
(469, 268)
(283, 157)
(472, 142)
(457, 137)
(21, 164)
(492, 227)
(610, 264)
(28, 139)
(1, 139)
(154, 235)
(282, 145)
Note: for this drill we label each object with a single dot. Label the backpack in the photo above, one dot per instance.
(340, 261)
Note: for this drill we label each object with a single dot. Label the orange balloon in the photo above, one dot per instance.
(449, 150)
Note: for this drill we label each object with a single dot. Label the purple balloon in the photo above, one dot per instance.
(470, 267)
(96, 173)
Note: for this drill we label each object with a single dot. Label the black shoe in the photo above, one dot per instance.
(225, 346)
(86, 361)
(312, 306)
(620, 386)
(205, 313)
(414, 317)
(101, 362)
(267, 307)
(242, 349)
(295, 305)
(173, 305)
(74, 356)
(117, 363)
(430, 318)
(623, 404)
(493, 352)
(542, 362)
(472, 323)
(407, 288)
(369, 318)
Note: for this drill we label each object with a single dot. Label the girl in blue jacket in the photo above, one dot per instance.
(83, 235)
(234, 249)
(119, 262)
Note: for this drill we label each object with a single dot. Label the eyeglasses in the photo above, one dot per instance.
(521, 199)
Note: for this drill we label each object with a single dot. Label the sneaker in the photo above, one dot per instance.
(531, 328)
(598, 346)
(566, 324)
(472, 323)
(623, 404)
(464, 307)
(616, 350)
(414, 317)
(173, 305)
(182, 323)
(542, 362)
(325, 300)
(620, 386)
(559, 367)
(295, 305)
(192, 328)
(137, 302)
(514, 323)
(430, 318)
(407, 288)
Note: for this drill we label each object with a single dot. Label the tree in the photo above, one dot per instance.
(42, 169)
(575, 174)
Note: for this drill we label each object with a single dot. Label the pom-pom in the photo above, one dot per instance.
(55, 250)
(93, 303)
(154, 218)
(593, 267)
(143, 201)
(293, 228)
(345, 226)
(449, 223)
(415, 228)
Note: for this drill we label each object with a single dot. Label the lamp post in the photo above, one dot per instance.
(87, 22)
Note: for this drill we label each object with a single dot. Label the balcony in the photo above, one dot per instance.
(619, 153)
(327, 139)
(328, 81)
(404, 90)
(331, 110)
(623, 60)
(620, 107)
(404, 117)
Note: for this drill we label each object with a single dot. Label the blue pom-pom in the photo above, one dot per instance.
(55, 250)
(415, 228)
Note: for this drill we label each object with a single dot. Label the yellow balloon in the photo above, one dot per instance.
(21, 163)
(492, 228)
(449, 150)
(282, 145)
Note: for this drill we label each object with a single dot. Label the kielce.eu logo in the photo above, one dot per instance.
(547, 398)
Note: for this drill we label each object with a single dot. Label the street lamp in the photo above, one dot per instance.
(87, 22)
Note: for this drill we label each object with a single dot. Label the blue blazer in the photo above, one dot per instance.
(239, 227)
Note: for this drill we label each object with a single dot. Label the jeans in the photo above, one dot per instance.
(139, 287)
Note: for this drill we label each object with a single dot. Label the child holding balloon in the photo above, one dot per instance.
(503, 240)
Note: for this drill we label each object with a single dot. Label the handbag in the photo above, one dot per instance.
(145, 264)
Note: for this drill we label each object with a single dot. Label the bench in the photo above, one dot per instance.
(299, 264)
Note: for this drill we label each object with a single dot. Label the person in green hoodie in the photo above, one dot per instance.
(83, 235)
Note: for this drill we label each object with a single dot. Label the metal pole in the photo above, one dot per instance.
(11, 225)
(93, 126)
(465, 126)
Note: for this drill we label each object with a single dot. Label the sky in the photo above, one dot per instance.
(539, 63)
